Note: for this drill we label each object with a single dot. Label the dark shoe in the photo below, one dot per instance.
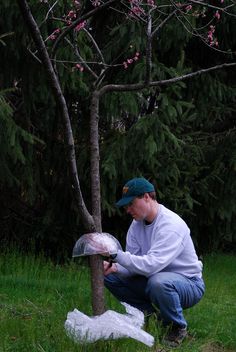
(175, 336)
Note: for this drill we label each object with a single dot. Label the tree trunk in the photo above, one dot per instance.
(96, 263)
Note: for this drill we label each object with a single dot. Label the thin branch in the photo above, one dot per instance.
(80, 58)
(223, 9)
(148, 49)
(195, 31)
(34, 55)
(50, 10)
(94, 44)
(82, 61)
(164, 82)
(163, 22)
(47, 15)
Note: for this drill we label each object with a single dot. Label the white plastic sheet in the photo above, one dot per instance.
(109, 325)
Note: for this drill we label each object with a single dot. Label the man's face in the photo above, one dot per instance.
(138, 208)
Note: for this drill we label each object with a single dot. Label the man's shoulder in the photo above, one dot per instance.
(170, 219)
(169, 214)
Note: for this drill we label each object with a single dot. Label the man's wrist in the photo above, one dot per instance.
(113, 256)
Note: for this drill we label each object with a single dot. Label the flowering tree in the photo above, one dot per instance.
(74, 41)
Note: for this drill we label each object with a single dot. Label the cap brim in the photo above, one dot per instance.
(124, 201)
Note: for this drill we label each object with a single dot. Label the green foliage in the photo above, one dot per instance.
(14, 141)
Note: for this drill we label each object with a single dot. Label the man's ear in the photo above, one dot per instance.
(146, 196)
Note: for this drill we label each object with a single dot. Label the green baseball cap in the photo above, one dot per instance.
(134, 188)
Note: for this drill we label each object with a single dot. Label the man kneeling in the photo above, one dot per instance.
(160, 267)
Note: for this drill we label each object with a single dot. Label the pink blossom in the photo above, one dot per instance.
(217, 15)
(136, 10)
(188, 8)
(79, 67)
(212, 28)
(151, 2)
(210, 37)
(52, 37)
(54, 34)
(131, 60)
(80, 26)
(71, 14)
(96, 3)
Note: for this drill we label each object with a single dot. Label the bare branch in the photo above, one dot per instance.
(34, 55)
(163, 22)
(50, 10)
(223, 9)
(148, 49)
(76, 51)
(95, 44)
(165, 82)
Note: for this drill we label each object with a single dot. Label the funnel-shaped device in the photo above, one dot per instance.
(96, 243)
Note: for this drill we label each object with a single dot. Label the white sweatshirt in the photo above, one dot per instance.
(163, 245)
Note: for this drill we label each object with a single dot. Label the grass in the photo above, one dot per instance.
(35, 297)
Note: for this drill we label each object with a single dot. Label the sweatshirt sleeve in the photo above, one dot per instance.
(160, 255)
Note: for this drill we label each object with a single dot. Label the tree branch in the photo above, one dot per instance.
(163, 22)
(148, 49)
(76, 51)
(223, 9)
(165, 82)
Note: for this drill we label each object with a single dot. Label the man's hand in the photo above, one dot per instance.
(109, 268)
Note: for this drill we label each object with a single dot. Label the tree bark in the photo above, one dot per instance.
(96, 264)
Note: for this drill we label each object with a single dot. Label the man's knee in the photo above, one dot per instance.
(159, 284)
